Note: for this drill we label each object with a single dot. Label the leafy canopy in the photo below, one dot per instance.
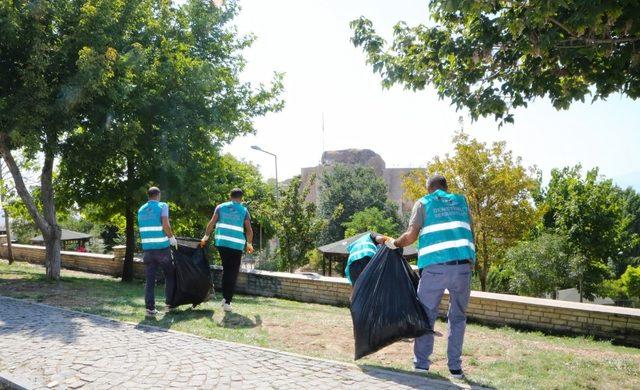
(371, 219)
(539, 266)
(493, 56)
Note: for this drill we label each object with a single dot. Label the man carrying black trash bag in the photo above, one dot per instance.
(232, 234)
(446, 255)
(156, 237)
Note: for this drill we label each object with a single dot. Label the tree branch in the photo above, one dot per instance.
(562, 26)
(20, 186)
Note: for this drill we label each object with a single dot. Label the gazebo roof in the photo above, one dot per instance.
(340, 247)
(67, 235)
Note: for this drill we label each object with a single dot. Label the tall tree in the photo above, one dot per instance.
(172, 99)
(297, 226)
(498, 188)
(589, 210)
(45, 88)
(493, 56)
(346, 190)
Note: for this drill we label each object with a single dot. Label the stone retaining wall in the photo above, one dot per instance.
(107, 264)
(616, 323)
(610, 322)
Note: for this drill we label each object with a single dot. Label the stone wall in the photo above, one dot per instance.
(610, 322)
(298, 287)
(104, 264)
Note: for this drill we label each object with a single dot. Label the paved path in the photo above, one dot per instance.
(51, 347)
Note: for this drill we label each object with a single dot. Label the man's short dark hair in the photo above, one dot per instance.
(152, 192)
(236, 193)
(437, 182)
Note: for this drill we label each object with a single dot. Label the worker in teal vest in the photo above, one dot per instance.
(442, 223)
(233, 233)
(360, 253)
(156, 237)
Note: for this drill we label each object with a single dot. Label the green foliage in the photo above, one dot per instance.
(296, 224)
(167, 77)
(589, 211)
(371, 219)
(540, 266)
(491, 57)
(346, 190)
(498, 188)
(626, 288)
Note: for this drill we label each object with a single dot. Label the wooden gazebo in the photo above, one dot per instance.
(337, 252)
(69, 238)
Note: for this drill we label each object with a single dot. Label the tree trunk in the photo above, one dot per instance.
(45, 221)
(127, 266)
(53, 246)
(7, 225)
(52, 235)
(484, 271)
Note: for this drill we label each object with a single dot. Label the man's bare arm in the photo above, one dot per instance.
(408, 237)
(166, 227)
(211, 225)
(248, 231)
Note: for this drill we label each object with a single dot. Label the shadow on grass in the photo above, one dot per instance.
(238, 321)
(169, 319)
(415, 380)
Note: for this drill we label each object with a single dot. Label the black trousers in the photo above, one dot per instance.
(230, 268)
(356, 268)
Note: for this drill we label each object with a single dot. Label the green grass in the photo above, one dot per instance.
(497, 357)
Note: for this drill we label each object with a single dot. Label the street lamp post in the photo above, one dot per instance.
(255, 147)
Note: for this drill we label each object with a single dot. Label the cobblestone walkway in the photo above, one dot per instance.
(51, 347)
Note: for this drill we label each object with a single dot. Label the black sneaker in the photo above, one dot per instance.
(417, 368)
(151, 312)
(457, 374)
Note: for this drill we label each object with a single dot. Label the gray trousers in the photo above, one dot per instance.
(154, 259)
(433, 281)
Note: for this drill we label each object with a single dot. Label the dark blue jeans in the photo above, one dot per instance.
(154, 259)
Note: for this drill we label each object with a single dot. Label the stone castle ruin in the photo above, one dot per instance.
(392, 176)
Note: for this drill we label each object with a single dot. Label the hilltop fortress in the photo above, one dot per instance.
(392, 176)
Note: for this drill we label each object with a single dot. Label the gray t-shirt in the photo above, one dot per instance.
(417, 215)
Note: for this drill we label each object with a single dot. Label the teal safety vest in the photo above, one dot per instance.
(359, 249)
(150, 225)
(230, 227)
(446, 234)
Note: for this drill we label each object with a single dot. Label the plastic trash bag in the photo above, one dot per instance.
(193, 276)
(384, 305)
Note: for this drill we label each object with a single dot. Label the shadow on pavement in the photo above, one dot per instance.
(418, 381)
(44, 322)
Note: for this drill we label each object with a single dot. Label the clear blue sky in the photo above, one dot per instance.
(309, 41)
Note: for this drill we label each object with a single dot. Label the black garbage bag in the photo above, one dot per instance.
(384, 305)
(193, 276)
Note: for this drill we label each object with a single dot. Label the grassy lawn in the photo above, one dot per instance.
(497, 357)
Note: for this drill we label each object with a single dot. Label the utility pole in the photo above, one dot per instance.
(6, 215)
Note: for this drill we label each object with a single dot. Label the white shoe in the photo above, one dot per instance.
(226, 306)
